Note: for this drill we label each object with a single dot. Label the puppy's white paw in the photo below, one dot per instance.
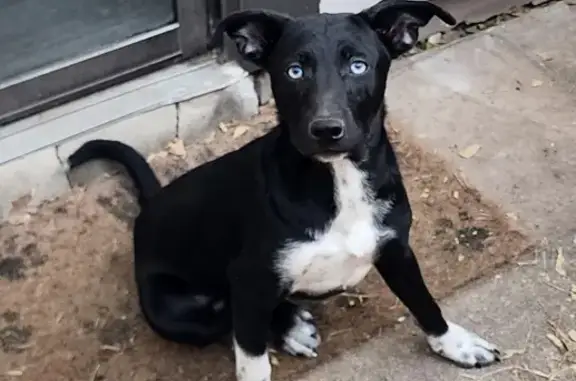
(303, 338)
(463, 347)
(251, 368)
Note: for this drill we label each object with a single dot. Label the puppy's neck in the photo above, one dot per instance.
(377, 157)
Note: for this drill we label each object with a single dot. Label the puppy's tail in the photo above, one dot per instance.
(138, 168)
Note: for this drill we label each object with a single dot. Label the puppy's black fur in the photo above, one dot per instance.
(207, 246)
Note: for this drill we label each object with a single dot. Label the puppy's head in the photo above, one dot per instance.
(329, 71)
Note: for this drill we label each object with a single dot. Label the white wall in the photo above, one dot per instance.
(336, 6)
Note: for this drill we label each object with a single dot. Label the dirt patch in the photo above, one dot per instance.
(12, 268)
(14, 339)
(70, 310)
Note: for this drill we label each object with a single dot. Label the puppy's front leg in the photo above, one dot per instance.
(399, 268)
(250, 365)
(253, 301)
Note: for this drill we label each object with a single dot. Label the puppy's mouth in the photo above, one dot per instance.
(329, 157)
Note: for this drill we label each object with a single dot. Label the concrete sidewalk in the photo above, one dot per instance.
(508, 94)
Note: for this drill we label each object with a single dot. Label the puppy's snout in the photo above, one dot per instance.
(327, 130)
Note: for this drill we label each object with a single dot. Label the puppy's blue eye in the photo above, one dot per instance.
(295, 71)
(358, 67)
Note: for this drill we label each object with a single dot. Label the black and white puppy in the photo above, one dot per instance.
(302, 212)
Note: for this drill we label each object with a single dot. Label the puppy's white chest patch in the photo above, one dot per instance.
(341, 255)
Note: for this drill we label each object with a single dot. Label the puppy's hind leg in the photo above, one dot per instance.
(179, 313)
(294, 330)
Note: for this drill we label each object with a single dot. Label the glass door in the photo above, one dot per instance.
(52, 51)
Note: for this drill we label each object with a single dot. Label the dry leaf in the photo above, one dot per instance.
(161, 155)
(23, 346)
(14, 373)
(556, 341)
(239, 131)
(469, 151)
(22, 202)
(512, 216)
(537, 83)
(210, 137)
(222, 126)
(111, 348)
(560, 262)
(572, 335)
(19, 218)
(176, 148)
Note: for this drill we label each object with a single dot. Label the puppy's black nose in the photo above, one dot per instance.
(327, 130)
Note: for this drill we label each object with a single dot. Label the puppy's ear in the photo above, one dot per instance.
(253, 31)
(398, 21)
